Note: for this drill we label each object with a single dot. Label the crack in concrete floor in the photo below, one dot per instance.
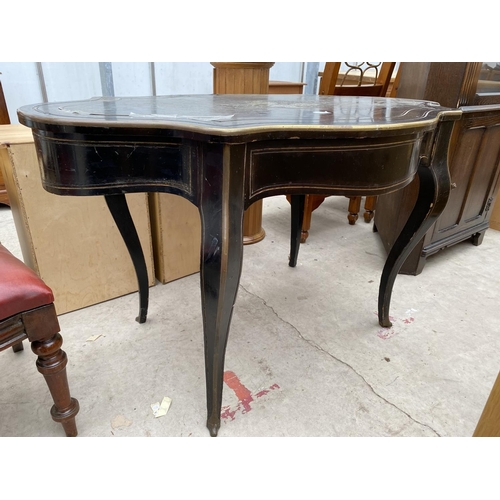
(319, 348)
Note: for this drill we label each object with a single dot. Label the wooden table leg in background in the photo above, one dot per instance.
(245, 78)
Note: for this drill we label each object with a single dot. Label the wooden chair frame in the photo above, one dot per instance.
(27, 312)
(41, 327)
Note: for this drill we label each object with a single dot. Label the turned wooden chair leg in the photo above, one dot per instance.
(27, 312)
(370, 204)
(312, 202)
(51, 364)
(354, 207)
(306, 221)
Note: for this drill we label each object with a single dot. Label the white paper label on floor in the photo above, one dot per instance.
(159, 410)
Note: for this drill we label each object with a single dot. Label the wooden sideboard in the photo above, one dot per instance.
(473, 159)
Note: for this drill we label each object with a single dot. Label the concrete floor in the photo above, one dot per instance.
(306, 356)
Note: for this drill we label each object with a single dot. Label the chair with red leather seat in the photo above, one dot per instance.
(27, 312)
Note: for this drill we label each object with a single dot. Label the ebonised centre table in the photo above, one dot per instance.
(224, 152)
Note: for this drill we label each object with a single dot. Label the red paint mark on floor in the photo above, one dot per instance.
(267, 391)
(245, 397)
(387, 333)
(242, 393)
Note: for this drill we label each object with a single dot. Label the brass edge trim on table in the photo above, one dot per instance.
(236, 132)
(327, 190)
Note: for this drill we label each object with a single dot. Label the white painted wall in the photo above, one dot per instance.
(66, 81)
(184, 78)
(70, 81)
(132, 78)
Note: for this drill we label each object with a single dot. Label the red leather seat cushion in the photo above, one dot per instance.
(20, 288)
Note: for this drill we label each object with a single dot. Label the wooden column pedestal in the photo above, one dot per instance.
(253, 231)
(245, 78)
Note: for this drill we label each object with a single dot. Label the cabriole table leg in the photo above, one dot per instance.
(432, 198)
(221, 212)
(117, 204)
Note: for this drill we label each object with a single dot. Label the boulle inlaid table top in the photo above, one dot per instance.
(223, 152)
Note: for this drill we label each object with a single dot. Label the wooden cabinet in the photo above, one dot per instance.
(474, 157)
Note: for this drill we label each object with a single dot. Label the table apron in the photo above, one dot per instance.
(82, 167)
(356, 167)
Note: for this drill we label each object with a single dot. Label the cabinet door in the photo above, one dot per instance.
(473, 156)
(474, 169)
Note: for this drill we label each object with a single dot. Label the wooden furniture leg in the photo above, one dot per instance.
(221, 212)
(432, 197)
(41, 327)
(311, 203)
(117, 204)
(477, 238)
(297, 202)
(370, 204)
(51, 363)
(354, 207)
